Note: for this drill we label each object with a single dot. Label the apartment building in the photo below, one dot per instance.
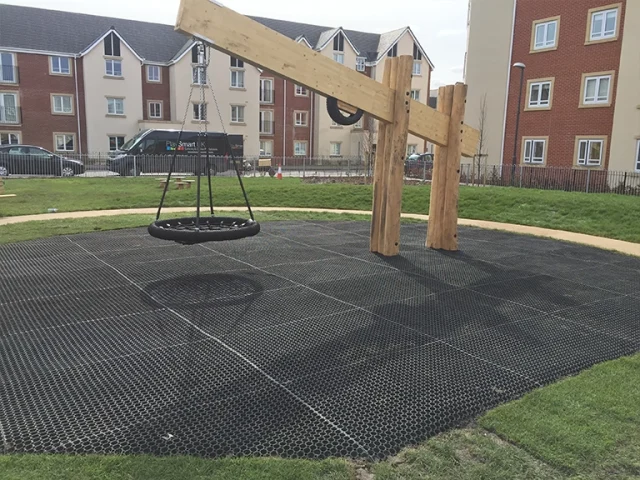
(82, 83)
(577, 62)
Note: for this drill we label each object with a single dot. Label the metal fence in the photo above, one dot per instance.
(106, 164)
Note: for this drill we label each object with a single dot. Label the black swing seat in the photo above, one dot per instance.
(210, 229)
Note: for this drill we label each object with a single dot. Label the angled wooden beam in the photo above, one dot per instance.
(248, 40)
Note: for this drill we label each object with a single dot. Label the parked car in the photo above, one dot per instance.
(32, 160)
(152, 151)
(415, 163)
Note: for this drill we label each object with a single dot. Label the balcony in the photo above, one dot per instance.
(266, 127)
(8, 74)
(266, 96)
(10, 115)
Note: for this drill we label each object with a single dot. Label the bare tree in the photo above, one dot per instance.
(482, 128)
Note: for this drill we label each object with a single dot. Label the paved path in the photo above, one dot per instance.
(605, 243)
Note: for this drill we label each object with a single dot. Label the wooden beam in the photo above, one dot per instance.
(244, 38)
(445, 187)
(397, 141)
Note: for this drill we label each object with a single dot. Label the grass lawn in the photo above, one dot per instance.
(605, 215)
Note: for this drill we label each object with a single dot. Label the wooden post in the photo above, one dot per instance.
(445, 187)
(390, 156)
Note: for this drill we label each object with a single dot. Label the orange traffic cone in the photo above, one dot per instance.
(279, 177)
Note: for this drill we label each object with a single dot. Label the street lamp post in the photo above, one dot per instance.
(521, 66)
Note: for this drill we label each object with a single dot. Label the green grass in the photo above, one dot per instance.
(94, 467)
(606, 215)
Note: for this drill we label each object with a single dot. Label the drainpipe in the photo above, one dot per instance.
(75, 74)
(284, 123)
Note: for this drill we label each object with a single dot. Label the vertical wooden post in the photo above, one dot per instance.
(445, 187)
(390, 156)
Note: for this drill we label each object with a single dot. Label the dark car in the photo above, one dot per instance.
(32, 160)
(416, 163)
(153, 150)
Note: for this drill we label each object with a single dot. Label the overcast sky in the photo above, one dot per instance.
(440, 25)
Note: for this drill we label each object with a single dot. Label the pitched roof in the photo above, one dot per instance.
(28, 28)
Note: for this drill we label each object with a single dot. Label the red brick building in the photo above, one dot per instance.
(579, 108)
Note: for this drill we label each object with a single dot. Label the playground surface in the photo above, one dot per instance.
(295, 343)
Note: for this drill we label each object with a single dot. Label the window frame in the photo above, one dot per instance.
(412, 148)
(150, 80)
(197, 70)
(60, 73)
(263, 81)
(414, 97)
(106, 67)
(237, 72)
(541, 82)
(238, 121)
(115, 104)
(337, 56)
(14, 71)
(53, 104)
(523, 152)
(8, 133)
(305, 114)
(64, 134)
(603, 139)
(202, 112)
(16, 102)
(331, 144)
(361, 64)
(155, 102)
(534, 31)
(265, 141)
(300, 142)
(269, 117)
(589, 40)
(301, 88)
(599, 76)
(417, 72)
(109, 137)
(116, 45)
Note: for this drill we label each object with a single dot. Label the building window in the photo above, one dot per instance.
(415, 94)
(62, 104)
(237, 113)
(338, 43)
(153, 73)
(115, 142)
(534, 151)
(112, 45)
(602, 25)
(301, 119)
(236, 63)
(411, 149)
(417, 53)
(358, 124)
(336, 149)
(65, 142)
(266, 148)
(417, 68)
(301, 91)
(155, 110)
(113, 68)
(266, 90)
(638, 157)
(60, 65)
(590, 151)
(200, 112)
(8, 71)
(596, 89)
(545, 34)
(360, 64)
(266, 122)
(199, 76)
(8, 108)
(299, 148)
(237, 78)
(393, 51)
(197, 56)
(539, 94)
(115, 106)
(339, 57)
(9, 138)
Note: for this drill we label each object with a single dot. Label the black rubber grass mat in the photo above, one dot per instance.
(298, 342)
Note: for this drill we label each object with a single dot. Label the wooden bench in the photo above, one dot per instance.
(162, 182)
(180, 185)
(189, 183)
